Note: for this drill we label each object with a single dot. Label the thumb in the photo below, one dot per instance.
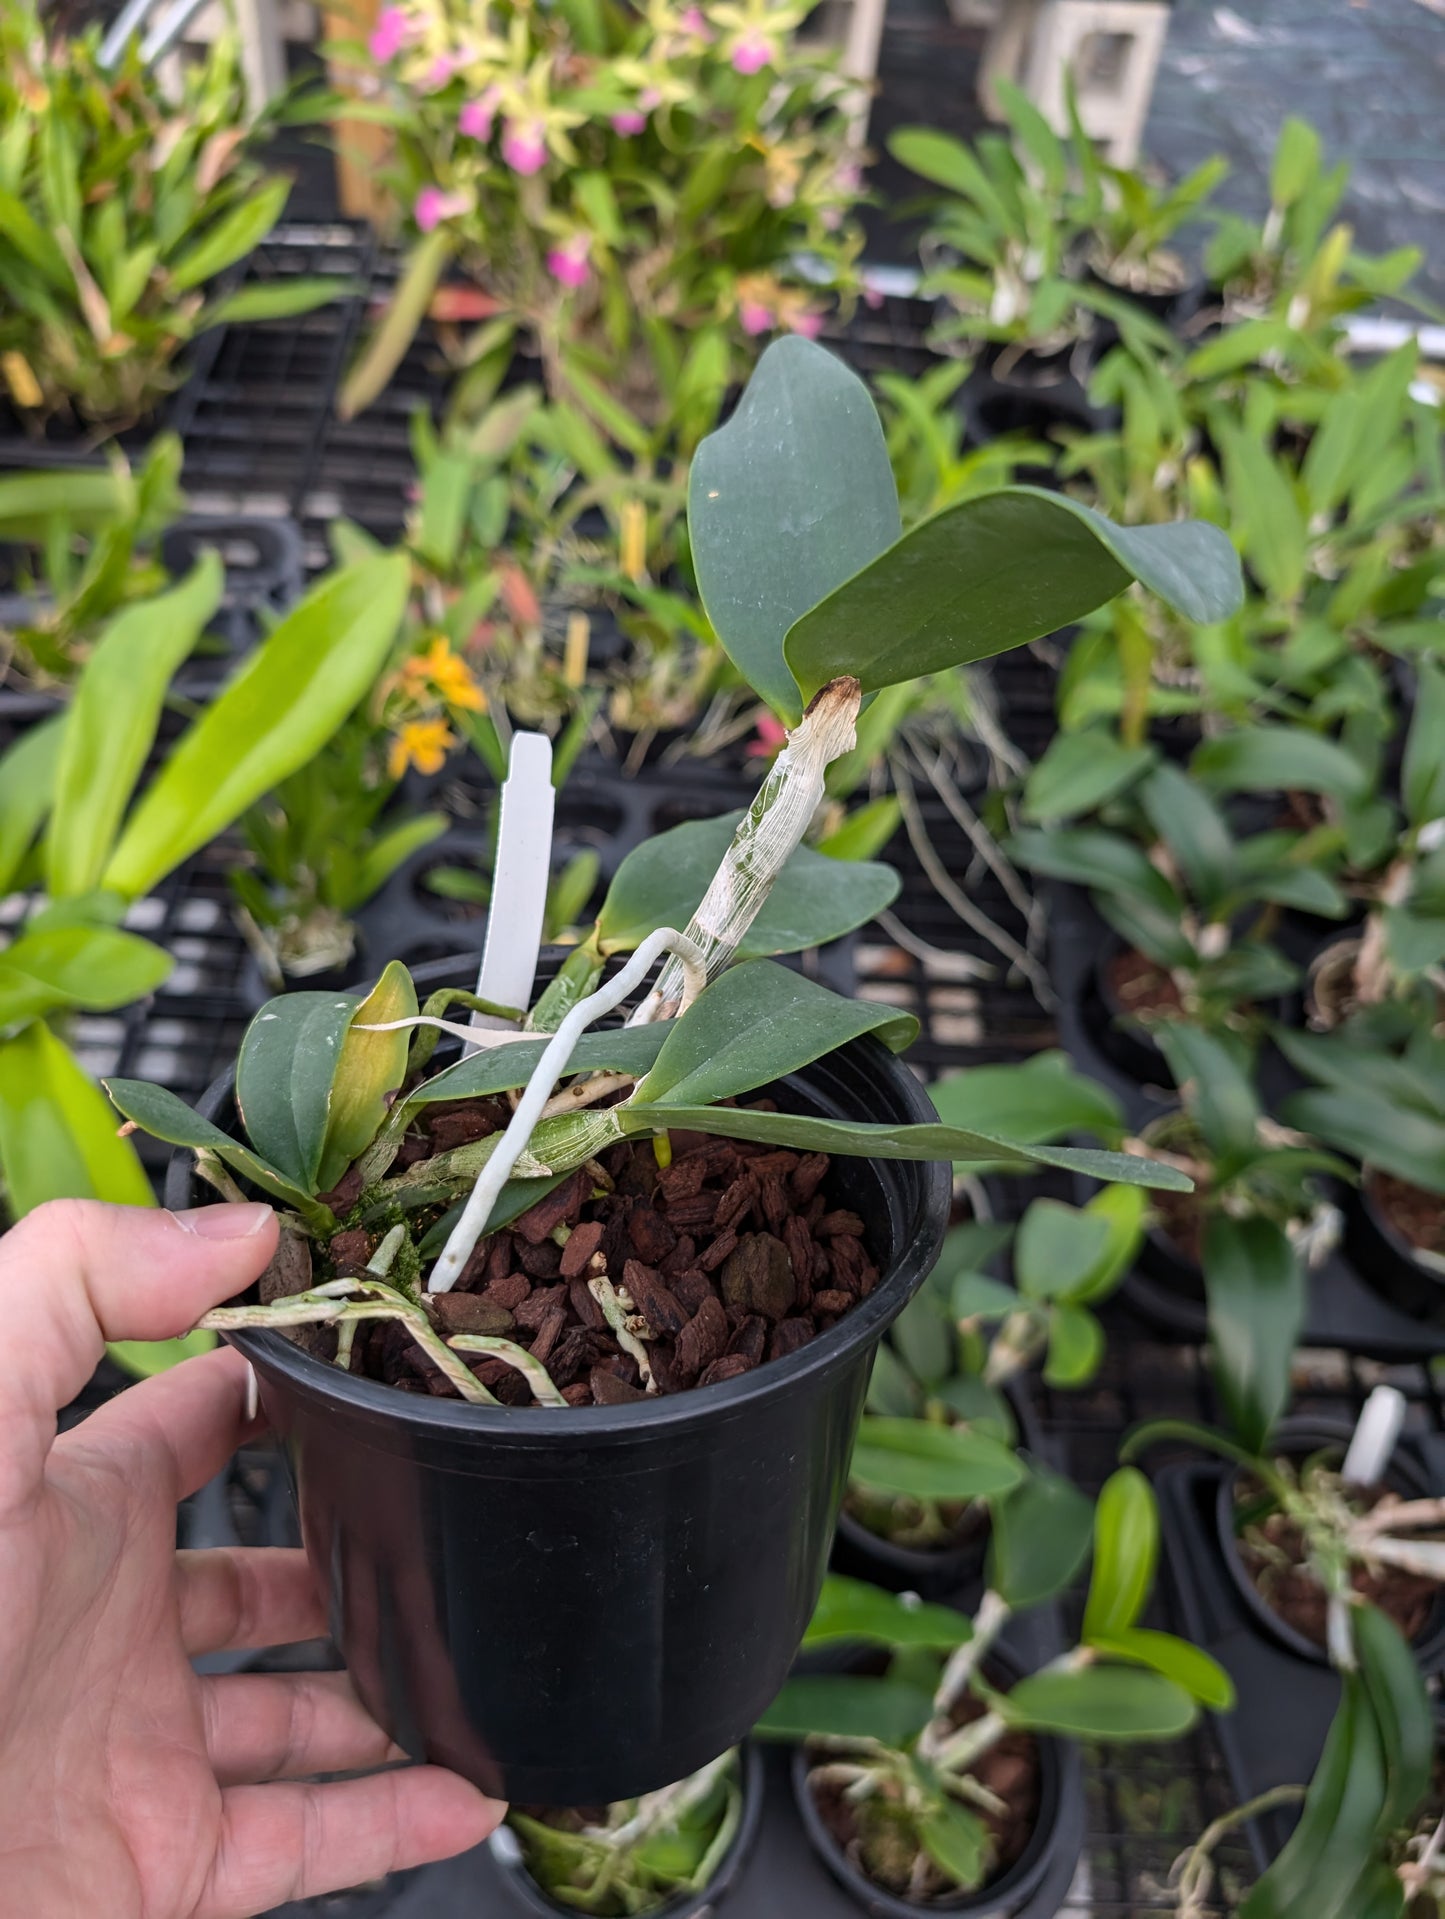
(76, 1273)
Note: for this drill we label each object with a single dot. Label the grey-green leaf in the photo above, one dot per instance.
(159, 1113)
(789, 499)
(991, 572)
(284, 1076)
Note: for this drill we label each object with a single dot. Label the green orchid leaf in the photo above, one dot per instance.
(1194, 830)
(861, 1140)
(1422, 776)
(369, 1069)
(500, 1069)
(1057, 1247)
(1215, 1084)
(95, 967)
(815, 899)
(27, 789)
(232, 237)
(845, 1707)
(1040, 1538)
(790, 498)
(1256, 1290)
(58, 1137)
(993, 571)
(755, 1024)
(1125, 1212)
(159, 1113)
(1268, 759)
(1076, 1346)
(978, 1296)
(852, 1610)
(1079, 772)
(1402, 1709)
(1194, 1671)
(114, 714)
(1100, 1702)
(284, 1075)
(957, 1841)
(1036, 1101)
(282, 706)
(920, 1460)
(1126, 1549)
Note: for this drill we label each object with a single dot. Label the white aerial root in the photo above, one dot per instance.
(549, 1069)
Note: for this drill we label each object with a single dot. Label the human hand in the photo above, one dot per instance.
(130, 1787)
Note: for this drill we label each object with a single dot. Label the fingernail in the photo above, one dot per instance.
(253, 1396)
(223, 1222)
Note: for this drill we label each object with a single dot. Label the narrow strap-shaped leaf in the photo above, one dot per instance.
(114, 714)
(27, 788)
(991, 572)
(1402, 1710)
(387, 347)
(755, 1023)
(862, 1140)
(58, 1138)
(786, 501)
(501, 1069)
(1256, 1290)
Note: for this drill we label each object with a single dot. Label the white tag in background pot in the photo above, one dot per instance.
(520, 879)
(1376, 1435)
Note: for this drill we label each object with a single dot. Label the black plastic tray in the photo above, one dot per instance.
(1342, 1309)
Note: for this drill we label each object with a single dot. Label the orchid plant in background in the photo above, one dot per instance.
(820, 600)
(629, 189)
(119, 207)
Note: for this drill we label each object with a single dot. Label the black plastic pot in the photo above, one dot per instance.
(507, 1853)
(574, 1607)
(1033, 1887)
(1392, 1266)
(1297, 1439)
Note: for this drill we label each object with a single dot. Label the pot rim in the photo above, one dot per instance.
(685, 1905)
(677, 1412)
(1296, 1438)
(1418, 1256)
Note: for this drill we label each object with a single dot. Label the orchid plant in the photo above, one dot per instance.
(819, 600)
(905, 1750)
(119, 209)
(629, 187)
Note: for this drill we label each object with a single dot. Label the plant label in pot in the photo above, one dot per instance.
(575, 1381)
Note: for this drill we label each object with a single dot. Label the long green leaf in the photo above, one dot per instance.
(754, 1024)
(1270, 759)
(96, 967)
(1402, 1710)
(921, 1460)
(861, 1139)
(1256, 1290)
(232, 237)
(845, 1707)
(991, 572)
(1126, 1548)
(1193, 829)
(58, 1138)
(1202, 1677)
(276, 300)
(114, 714)
(1216, 1086)
(1101, 1702)
(27, 789)
(284, 704)
(850, 1610)
(500, 1069)
(816, 899)
(789, 499)
(387, 347)
(1039, 1099)
(1040, 1538)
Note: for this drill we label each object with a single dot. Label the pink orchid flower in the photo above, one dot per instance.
(434, 204)
(692, 21)
(439, 72)
(628, 122)
(755, 317)
(476, 117)
(524, 148)
(569, 264)
(772, 738)
(753, 52)
(390, 34)
(810, 325)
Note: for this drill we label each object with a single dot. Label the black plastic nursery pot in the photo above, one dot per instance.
(1297, 1439)
(573, 1607)
(1409, 1278)
(1033, 1887)
(506, 1852)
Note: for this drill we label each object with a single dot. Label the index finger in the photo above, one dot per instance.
(76, 1273)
